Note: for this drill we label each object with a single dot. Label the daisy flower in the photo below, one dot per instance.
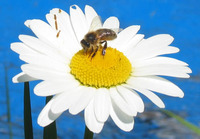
(101, 85)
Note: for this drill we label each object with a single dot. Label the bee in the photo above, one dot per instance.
(93, 40)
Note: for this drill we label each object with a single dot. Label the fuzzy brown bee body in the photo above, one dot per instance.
(93, 40)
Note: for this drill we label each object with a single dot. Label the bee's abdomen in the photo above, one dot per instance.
(106, 34)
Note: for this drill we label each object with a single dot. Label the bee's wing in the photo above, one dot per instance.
(117, 30)
(96, 23)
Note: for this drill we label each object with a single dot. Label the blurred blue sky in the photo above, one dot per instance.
(181, 19)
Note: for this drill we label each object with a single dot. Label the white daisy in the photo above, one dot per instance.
(102, 86)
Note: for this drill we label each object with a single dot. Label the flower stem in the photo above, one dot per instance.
(50, 131)
(28, 129)
(192, 127)
(88, 134)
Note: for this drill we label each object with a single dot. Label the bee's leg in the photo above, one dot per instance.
(91, 50)
(95, 51)
(85, 51)
(104, 48)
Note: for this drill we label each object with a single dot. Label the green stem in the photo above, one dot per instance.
(192, 127)
(8, 102)
(88, 134)
(28, 128)
(50, 131)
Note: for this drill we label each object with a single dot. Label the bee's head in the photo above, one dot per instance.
(85, 44)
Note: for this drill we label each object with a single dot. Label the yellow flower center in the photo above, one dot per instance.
(101, 71)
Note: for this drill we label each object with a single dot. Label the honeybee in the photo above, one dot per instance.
(95, 39)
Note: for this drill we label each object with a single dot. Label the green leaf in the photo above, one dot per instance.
(28, 128)
(192, 127)
(88, 134)
(50, 131)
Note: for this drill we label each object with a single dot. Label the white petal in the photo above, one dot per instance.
(78, 21)
(90, 14)
(167, 50)
(44, 73)
(153, 46)
(159, 60)
(43, 31)
(121, 103)
(129, 47)
(41, 47)
(122, 120)
(48, 88)
(132, 98)
(138, 54)
(45, 61)
(66, 99)
(83, 101)
(67, 36)
(156, 84)
(51, 18)
(124, 37)
(27, 23)
(90, 119)
(46, 117)
(156, 41)
(112, 23)
(21, 48)
(153, 97)
(102, 104)
(22, 77)
(55, 11)
(162, 69)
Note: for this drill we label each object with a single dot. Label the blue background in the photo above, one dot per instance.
(181, 19)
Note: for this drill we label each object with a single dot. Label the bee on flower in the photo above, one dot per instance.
(123, 65)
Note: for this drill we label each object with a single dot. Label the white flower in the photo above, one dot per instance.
(102, 86)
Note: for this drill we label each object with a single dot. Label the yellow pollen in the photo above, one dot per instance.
(101, 71)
